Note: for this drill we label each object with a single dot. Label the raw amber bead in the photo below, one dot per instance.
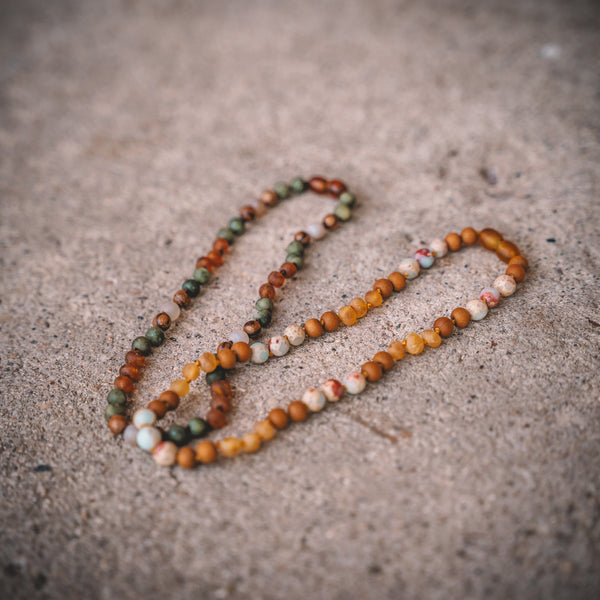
(191, 372)
(124, 383)
(318, 184)
(374, 298)
(431, 338)
(206, 263)
(398, 280)
(251, 442)
(276, 279)
(330, 320)
(454, 242)
(397, 350)
(278, 418)
(206, 452)
(518, 260)
(313, 328)
(360, 307)
(347, 315)
(135, 358)
(208, 362)
(414, 343)
(490, 239)
(171, 399)
(227, 358)
(182, 299)
(266, 290)
(335, 187)
(162, 321)
(298, 411)
(221, 245)
(507, 250)
(158, 407)
(385, 359)
(461, 316)
(229, 446)
(516, 271)
(132, 372)
(468, 236)
(445, 325)
(181, 387)
(371, 371)
(288, 269)
(242, 351)
(222, 403)
(186, 457)
(216, 418)
(117, 423)
(385, 286)
(216, 257)
(265, 430)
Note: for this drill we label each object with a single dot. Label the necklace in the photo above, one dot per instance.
(173, 446)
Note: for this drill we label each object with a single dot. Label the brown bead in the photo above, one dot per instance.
(278, 418)
(117, 423)
(453, 240)
(489, 239)
(468, 235)
(269, 198)
(330, 222)
(519, 260)
(205, 262)
(123, 382)
(385, 286)
(298, 411)
(507, 250)
(162, 321)
(266, 290)
(216, 418)
(445, 325)
(252, 328)
(135, 358)
(516, 271)
(372, 371)
(227, 358)
(206, 452)
(224, 346)
(222, 403)
(398, 280)
(330, 320)
(302, 237)
(130, 371)
(384, 359)
(276, 279)
(170, 398)
(219, 389)
(335, 187)
(242, 351)
(461, 317)
(313, 328)
(288, 269)
(216, 257)
(221, 245)
(182, 299)
(158, 407)
(186, 457)
(247, 213)
(318, 184)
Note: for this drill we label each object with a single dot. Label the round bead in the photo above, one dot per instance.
(295, 334)
(517, 272)
(123, 383)
(439, 246)
(251, 442)
(135, 358)
(242, 351)
(186, 457)
(226, 234)
(374, 298)
(198, 427)
(148, 438)
(355, 382)
(181, 387)
(278, 418)
(218, 374)
(220, 389)
(191, 287)
(385, 359)
(302, 237)
(332, 389)
(335, 187)
(171, 309)
(445, 325)
(295, 259)
(265, 430)
(477, 309)
(156, 336)
(162, 320)
(202, 275)
(282, 190)
(171, 398)
(227, 358)
(314, 399)
(260, 353)
(288, 269)
(239, 335)
(142, 345)
(360, 307)
(165, 454)
(252, 328)
(330, 222)
(206, 452)
(295, 247)
(208, 362)
(313, 328)
(316, 230)
(348, 199)
(491, 296)
(276, 279)
(461, 316)
(454, 242)
(178, 434)
(372, 371)
(398, 280)
(216, 418)
(259, 207)
(264, 304)
(158, 407)
(182, 299)
(347, 315)
(409, 268)
(414, 343)
(342, 212)
(229, 446)
(191, 371)
(318, 184)
(269, 198)
(117, 397)
(506, 285)
(431, 338)
(298, 411)
(266, 290)
(130, 371)
(117, 424)
(330, 320)
(425, 258)
(130, 435)
(143, 417)
(397, 350)
(298, 185)
(215, 257)
(385, 286)
(519, 260)
(468, 235)
(279, 345)
(237, 226)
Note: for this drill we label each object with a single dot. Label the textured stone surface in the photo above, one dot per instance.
(131, 131)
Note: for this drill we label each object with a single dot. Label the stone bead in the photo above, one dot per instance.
(171, 309)
(298, 411)
(269, 198)
(506, 285)
(278, 418)
(347, 315)
(335, 187)
(445, 325)
(313, 328)
(385, 359)
(186, 458)
(298, 185)
(165, 454)
(360, 307)
(181, 387)
(191, 372)
(202, 275)
(314, 399)
(171, 398)
(216, 418)
(112, 410)
(178, 434)
(295, 259)
(414, 343)
(191, 287)
(330, 222)
(491, 296)
(198, 427)
(409, 268)
(316, 230)
(264, 304)
(398, 281)
(439, 246)
(208, 362)
(295, 335)
(263, 317)
(282, 190)
(260, 353)
(374, 298)
(342, 212)
(477, 309)
(239, 335)
(318, 184)
(130, 435)
(142, 345)
(252, 328)
(372, 371)
(330, 320)
(143, 417)
(237, 226)
(489, 239)
(158, 407)
(453, 241)
(117, 423)
(461, 316)
(425, 258)
(219, 389)
(117, 397)
(295, 247)
(206, 452)
(332, 389)
(218, 374)
(507, 250)
(148, 438)
(517, 272)
(397, 350)
(251, 442)
(226, 234)
(221, 245)
(265, 430)
(385, 286)
(123, 383)
(468, 236)
(279, 345)
(242, 351)
(431, 338)
(229, 446)
(355, 382)
(276, 279)
(182, 299)
(227, 358)
(348, 199)
(162, 320)
(302, 237)
(156, 336)
(135, 358)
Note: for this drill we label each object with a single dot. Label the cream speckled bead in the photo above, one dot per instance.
(279, 345)
(144, 417)
(409, 268)
(165, 454)
(477, 309)
(355, 382)
(332, 389)
(239, 335)
(260, 353)
(314, 399)
(148, 438)
(439, 246)
(130, 435)
(506, 285)
(295, 334)
(491, 296)
(316, 230)
(171, 309)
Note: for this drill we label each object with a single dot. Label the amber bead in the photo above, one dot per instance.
(251, 442)
(135, 358)
(288, 269)
(222, 403)
(461, 316)
(507, 250)
(468, 235)
(276, 279)
(278, 418)
(298, 411)
(265, 430)
(186, 457)
(162, 321)
(242, 351)
(247, 213)
(208, 362)
(227, 358)
(453, 240)
(206, 452)
(360, 307)
(122, 382)
(158, 407)
(252, 328)
(117, 423)
(335, 187)
(414, 343)
(313, 328)
(182, 299)
(216, 257)
(181, 387)
(347, 315)
(266, 290)
(431, 338)
(445, 325)
(134, 373)
(519, 260)
(374, 298)
(516, 271)
(398, 280)
(220, 388)
(397, 350)
(385, 286)
(318, 184)
(302, 237)
(385, 359)
(216, 418)
(170, 398)
(330, 320)
(489, 239)
(372, 371)
(221, 245)
(205, 262)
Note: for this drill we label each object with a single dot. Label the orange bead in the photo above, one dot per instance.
(216, 257)
(130, 371)
(170, 398)
(229, 446)
(507, 250)
(180, 386)
(186, 457)
(251, 442)
(372, 371)
(206, 452)
(227, 358)
(385, 359)
(117, 423)
(313, 328)
(385, 286)
(374, 298)
(414, 343)
(266, 290)
(360, 307)
(445, 325)
(398, 280)
(468, 236)
(518, 260)
(265, 430)
(397, 350)
(278, 418)
(269, 198)
(208, 362)
(216, 418)
(330, 320)
(191, 372)
(461, 316)
(318, 184)
(221, 245)
(158, 407)
(298, 411)
(490, 239)
(517, 272)
(454, 242)
(242, 351)
(347, 315)
(122, 382)
(276, 279)
(431, 338)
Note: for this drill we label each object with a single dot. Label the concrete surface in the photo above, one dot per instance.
(130, 131)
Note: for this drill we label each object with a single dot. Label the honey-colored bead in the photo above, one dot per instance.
(454, 242)
(461, 316)
(330, 320)
(385, 359)
(251, 442)
(227, 358)
(519, 260)
(186, 458)
(205, 262)
(135, 358)
(216, 418)
(229, 446)
(170, 398)
(330, 222)
(208, 362)
(398, 280)
(374, 298)
(180, 386)
(298, 411)
(397, 350)
(490, 239)
(516, 271)
(445, 325)
(288, 269)
(221, 245)
(242, 351)
(117, 423)
(431, 338)
(216, 257)
(130, 371)
(158, 407)
(278, 418)
(266, 290)
(191, 372)
(385, 286)
(162, 321)
(507, 250)
(276, 279)
(313, 328)
(360, 307)
(265, 430)
(414, 343)
(252, 328)
(335, 187)
(206, 452)
(468, 236)
(123, 382)
(269, 198)
(318, 184)
(182, 299)
(347, 315)
(371, 371)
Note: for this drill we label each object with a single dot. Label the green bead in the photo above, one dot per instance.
(298, 185)
(117, 397)
(202, 275)
(296, 259)
(342, 212)
(192, 287)
(282, 190)
(295, 248)
(142, 345)
(112, 410)
(217, 375)
(198, 427)
(156, 336)
(347, 198)
(226, 234)
(178, 434)
(237, 226)
(263, 317)
(264, 304)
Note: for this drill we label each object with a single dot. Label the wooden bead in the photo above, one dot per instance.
(414, 343)
(227, 358)
(265, 430)
(360, 307)
(385, 286)
(288, 269)
(162, 321)
(242, 351)
(278, 418)
(117, 423)
(489, 239)
(123, 382)
(269, 198)
(318, 184)
(374, 298)
(251, 442)
(371, 371)
(313, 328)
(431, 338)
(158, 407)
(507, 250)
(276, 279)
(454, 242)
(398, 280)
(186, 458)
(182, 299)
(468, 236)
(347, 315)
(335, 187)
(330, 222)
(170, 398)
(206, 452)
(385, 359)
(135, 358)
(130, 371)
(266, 290)
(216, 418)
(222, 403)
(221, 245)
(461, 317)
(252, 328)
(397, 350)
(516, 271)
(445, 325)
(519, 260)
(330, 320)
(229, 446)
(298, 411)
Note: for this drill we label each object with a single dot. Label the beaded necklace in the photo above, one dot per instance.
(174, 446)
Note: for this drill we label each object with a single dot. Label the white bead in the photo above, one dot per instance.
(477, 308)
(316, 230)
(295, 334)
(439, 246)
(130, 435)
(260, 353)
(314, 399)
(355, 382)
(279, 345)
(239, 335)
(409, 268)
(171, 309)
(148, 438)
(165, 454)
(143, 417)
(332, 389)
(506, 285)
